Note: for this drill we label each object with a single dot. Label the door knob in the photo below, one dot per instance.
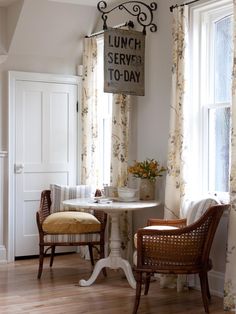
(19, 168)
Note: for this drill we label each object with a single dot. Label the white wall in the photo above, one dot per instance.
(3, 257)
(43, 37)
(12, 15)
(153, 108)
(153, 125)
(150, 113)
(150, 123)
(3, 34)
(48, 38)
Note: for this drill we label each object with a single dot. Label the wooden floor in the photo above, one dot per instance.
(58, 292)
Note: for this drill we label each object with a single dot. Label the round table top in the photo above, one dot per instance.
(108, 204)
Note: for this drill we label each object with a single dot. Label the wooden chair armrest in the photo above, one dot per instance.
(44, 207)
(39, 220)
(180, 223)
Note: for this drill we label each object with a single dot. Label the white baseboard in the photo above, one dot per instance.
(216, 283)
(3, 255)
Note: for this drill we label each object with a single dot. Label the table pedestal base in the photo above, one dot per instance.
(114, 264)
(114, 260)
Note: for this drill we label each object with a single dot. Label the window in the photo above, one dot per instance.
(104, 118)
(211, 70)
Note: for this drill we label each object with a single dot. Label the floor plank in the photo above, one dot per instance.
(58, 291)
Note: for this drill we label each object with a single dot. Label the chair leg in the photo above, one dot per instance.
(147, 283)
(138, 292)
(52, 255)
(203, 282)
(102, 255)
(91, 253)
(208, 289)
(41, 258)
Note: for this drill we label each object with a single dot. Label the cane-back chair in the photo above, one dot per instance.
(178, 250)
(58, 227)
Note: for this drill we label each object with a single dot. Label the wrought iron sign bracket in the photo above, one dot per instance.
(142, 11)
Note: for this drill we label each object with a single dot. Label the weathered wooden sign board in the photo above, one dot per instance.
(124, 55)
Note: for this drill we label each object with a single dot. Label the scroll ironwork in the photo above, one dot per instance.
(142, 11)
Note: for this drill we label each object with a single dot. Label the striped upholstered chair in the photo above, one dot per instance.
(61, 226)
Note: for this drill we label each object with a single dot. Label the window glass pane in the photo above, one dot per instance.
(219, 130)
(104, 120)
(223, 59)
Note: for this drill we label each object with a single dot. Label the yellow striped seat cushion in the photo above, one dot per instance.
(71, 238)
(71, 223)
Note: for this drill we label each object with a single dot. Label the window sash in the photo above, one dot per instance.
(203, 18)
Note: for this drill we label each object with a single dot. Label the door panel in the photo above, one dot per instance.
(45, 150)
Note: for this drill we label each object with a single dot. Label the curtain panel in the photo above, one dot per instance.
(89, 115)
(119, 163)
(230, 273)
(178, 135)
(176, 187)
(119, 137)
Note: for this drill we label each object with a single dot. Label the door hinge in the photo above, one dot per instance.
(77, 106)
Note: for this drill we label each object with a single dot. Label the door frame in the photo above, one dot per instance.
(13, 77)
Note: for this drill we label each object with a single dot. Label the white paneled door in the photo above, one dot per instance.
(45, 150)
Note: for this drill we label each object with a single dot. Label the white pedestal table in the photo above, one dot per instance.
(114, 209)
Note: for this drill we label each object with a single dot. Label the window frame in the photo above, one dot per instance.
(104, 119)
(202, 18)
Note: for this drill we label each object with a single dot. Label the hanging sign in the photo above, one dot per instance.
(124, 53)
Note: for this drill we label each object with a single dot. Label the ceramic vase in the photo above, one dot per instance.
(147, 189)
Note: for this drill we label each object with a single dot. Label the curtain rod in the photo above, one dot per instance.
(129, 24)
(182, 5)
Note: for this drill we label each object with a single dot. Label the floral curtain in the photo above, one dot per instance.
(89, 116)
(177, 143)
(119, 162)
(89, 124)
(119, 140)
(176, 187)
(230, 274)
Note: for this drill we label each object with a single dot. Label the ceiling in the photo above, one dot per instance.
(84, 2)
(5, 3)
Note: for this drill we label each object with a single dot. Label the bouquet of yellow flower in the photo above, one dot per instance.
(147, 169)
